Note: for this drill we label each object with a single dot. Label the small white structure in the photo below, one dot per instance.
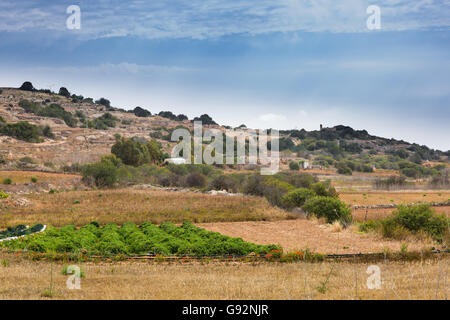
(175, 160)
(305, 164)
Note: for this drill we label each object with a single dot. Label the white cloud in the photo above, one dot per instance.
(201, 19)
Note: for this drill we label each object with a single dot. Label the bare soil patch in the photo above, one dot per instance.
(303, 233)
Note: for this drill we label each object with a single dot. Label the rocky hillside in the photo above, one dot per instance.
(70, 129)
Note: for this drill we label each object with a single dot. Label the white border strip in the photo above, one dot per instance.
(13, 238)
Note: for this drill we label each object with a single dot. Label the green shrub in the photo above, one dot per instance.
(102, 174)
(293, 165)
(297, 197)
(34, 179)
(56, 111)
(3, 195)
(7, 181)
(420, 218)
(329, 208)
(343, 168)
(22, 130)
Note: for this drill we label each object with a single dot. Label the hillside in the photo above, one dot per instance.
(72, 129)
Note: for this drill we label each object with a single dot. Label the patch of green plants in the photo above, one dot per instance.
(7, 181)
(111, 240)
(25, 131)
(3, 195)
(407, 220)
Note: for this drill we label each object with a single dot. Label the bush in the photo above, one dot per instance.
(7, 181)
(324, 189)
(103, 122)
(102, 174)
(196, 179)
(329, 208)
(293, 165)
(420, 218)
(274, 190)
(296, 198)
(56, 111)
(223, 182)
(3, 195)
(34, 179)
(343, 168)
(22, 130)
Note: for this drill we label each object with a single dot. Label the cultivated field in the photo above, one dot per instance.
(319, 237)
(26, 279)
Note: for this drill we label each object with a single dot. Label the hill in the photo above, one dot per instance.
(44, 130)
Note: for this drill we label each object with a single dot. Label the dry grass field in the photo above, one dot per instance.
(26, 279)
(394, 197)
(302, 233)
(25, 176)
(128, 205)
(359, 215)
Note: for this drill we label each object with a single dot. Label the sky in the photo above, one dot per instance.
(283, 64)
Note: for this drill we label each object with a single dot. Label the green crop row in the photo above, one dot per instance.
(166, 239)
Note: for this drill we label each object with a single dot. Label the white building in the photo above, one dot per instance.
(175, 160)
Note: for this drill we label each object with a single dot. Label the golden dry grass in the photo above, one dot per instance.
(127, 205)
(25, 176)
(302, 233)
(395, 197)
(26, 279)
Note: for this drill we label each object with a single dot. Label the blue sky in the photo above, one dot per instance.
(282, 64)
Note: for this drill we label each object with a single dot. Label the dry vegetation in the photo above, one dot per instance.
(393, 197)
(25, 176)
(302, 233)
(128, 205)
(359, 215)
(26, 279)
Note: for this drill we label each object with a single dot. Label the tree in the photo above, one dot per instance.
(205, 119)
(181, 117)
(293, 165)
(27, 86)
(140, 112)
(329, 208)
(135, 152)
(297, 197)
(64, 92)
(104, 102)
